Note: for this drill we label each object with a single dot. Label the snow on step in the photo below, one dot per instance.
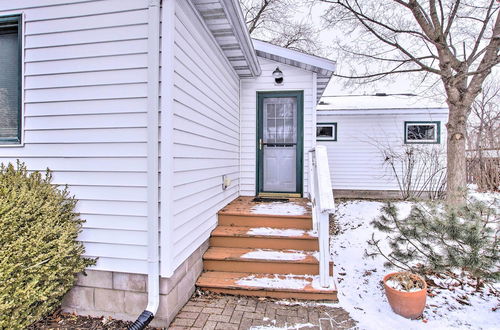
(279, 208)
(286, 282)
(266, 231)
(285, 255)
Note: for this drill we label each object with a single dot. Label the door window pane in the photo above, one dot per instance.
(280, 120)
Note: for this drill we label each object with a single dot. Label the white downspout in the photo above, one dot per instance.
(153, 94)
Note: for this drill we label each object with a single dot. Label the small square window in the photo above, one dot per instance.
(10, 80)
(326, 132)
(422, 132)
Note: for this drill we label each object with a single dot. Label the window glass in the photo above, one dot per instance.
(423, 132)
(10, 106)
(326, 131)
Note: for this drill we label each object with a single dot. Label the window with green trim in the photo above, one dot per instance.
(326, 131)
(10, 79)
(422, 131)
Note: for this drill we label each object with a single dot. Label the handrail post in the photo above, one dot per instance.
(321, 195)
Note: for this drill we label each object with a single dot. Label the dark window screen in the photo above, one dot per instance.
(9, 80)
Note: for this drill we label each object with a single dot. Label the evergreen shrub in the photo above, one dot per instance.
(434, 238)
(39, 254)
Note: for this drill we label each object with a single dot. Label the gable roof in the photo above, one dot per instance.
(323, 67)
(224, 19)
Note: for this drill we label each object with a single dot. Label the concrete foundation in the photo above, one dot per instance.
(124, 296)
(373, 194)
(367, 194)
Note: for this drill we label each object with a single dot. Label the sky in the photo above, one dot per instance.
(391, 85)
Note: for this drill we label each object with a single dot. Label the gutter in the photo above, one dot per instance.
(153, 94)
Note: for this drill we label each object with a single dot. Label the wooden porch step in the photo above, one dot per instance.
(260, 220)
(261, 261)
(264, 238)
(266, 285)
(243, 212)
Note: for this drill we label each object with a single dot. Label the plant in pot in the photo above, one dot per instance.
(406, 293)
(434, 238)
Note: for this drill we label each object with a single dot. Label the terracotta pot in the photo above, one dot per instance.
(407, 304)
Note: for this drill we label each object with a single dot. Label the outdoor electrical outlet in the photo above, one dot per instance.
(226, 182)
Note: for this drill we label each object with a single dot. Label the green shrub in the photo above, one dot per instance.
(39, 254)
(434, 239)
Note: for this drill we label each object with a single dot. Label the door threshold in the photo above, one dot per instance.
(279, 195)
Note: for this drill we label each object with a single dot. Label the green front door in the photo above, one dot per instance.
(280, 142)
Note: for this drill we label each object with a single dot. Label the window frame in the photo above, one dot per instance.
(16, 19)
(437, 140)
(322, 124)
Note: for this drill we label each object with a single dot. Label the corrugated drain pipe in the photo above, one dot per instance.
(153, 86)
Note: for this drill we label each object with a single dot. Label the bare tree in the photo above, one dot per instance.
(274, 21)
(484, 122)
(456, 41)
(483, 138)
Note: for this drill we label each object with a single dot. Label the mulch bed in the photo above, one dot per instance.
(60, 320)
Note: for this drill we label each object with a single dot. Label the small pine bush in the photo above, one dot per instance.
(434, 239)
(39, 254)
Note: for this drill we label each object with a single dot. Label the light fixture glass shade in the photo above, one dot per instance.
(278, 76)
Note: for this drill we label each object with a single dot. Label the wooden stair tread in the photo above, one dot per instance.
(233, 231)
(243, 206)
(236, 254)
(267, 282)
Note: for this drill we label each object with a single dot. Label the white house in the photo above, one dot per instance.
(155, 128)
(359, 131)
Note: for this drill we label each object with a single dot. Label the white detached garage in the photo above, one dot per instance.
(358, 131)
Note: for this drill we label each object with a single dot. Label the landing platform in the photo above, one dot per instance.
(243, 205)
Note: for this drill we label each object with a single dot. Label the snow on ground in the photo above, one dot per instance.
(295, 326)
(278, 208)
(279, 255)
(361, 291)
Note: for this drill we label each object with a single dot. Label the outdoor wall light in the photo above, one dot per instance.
(278, 76)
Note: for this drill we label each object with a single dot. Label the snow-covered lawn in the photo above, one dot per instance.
(361, 291)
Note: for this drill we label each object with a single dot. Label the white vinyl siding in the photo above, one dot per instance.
(85, 66)
(206, 133)
(356, 159)
(295, 79)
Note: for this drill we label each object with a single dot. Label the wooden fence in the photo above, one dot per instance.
(484, 172)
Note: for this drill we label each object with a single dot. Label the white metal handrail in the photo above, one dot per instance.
(321, 196)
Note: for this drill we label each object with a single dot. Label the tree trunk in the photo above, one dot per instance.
(456, 185)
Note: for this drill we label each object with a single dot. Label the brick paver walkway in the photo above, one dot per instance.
(228, 312)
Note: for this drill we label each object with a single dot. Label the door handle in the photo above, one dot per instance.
(260, 144)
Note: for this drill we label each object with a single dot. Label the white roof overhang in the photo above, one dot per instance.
(323, 67)
(225, 20)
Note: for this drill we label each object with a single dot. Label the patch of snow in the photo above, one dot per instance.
(485, 197)
(286, 327)
(278, 255)
(290, 281)
(361, 292)
(278, 208)
(316, 283)
(313, 233)
(277, 282)
(275, 232)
